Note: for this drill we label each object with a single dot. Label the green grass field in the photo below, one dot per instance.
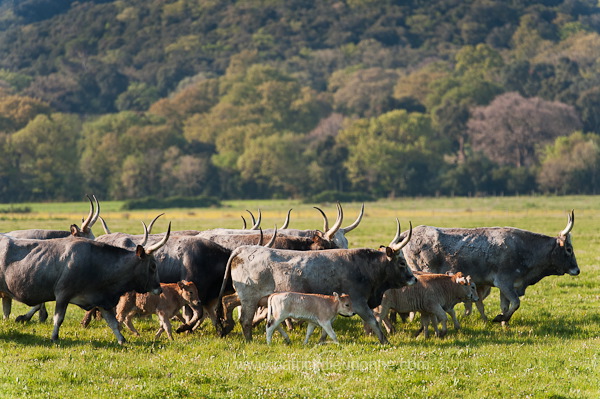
(550, 350)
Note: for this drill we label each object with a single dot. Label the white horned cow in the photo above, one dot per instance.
(364, 274)
(78, 271)
(44, 234)
(433, 296)
(508, 258)
(316, 309)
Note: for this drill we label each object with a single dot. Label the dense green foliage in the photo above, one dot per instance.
(271, 98)
(551, 348)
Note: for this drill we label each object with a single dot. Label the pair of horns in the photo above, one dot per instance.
(92, 216)
(338, 223)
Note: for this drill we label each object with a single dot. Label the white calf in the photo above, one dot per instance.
(314, 308)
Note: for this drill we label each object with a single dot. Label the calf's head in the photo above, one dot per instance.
(189, 293)
(344, 304)
(468, 288)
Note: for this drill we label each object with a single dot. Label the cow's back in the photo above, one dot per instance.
(477, 252)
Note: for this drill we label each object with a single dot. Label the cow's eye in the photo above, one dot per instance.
(569, 250)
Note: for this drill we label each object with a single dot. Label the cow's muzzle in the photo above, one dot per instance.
(157, 291)
(411, 281)
(574, 271)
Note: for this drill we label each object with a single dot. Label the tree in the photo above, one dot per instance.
(394, 154)
(571, 165)
(511, 128)
(17, 111)
(365, 92)
(47, 149)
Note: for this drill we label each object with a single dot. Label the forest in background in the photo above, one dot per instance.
(297, 98)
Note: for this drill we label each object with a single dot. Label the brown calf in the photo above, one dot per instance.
(433, 295)
(166, 305)
(316, 309)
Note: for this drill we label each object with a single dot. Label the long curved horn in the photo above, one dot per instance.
(570, 222)
(258, 220)
(272, 240)
(338, 223)
(245, 225)
(260, 240)
(395, 245)
(86, 223)
(356, 222)
(152, 223)
(104, 226)
(287, 220)
(145, 240)
(325, 221)
(96, 215)
(162, 242)
(252, 216)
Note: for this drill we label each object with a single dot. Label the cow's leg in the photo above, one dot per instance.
(111, 320)
(260, 315)
(510, 302)
(273, 325)
(165, 325)
(362, 309)
(452, 313)
(126, 319)
(43, 315)
(87, 318)
(246, 317)
(27, 316)
(310, 328)
(482, 292)
(328, 330)
(59, 316)
(425, 319)
(6, 306)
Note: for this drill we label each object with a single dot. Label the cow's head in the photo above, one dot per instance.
(337, 233)
(399, 272)
(344, 304)
(563, 256)
(147, 273)
(468, 288)
(86, 225)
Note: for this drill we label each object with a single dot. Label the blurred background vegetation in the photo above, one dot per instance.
(298, 98)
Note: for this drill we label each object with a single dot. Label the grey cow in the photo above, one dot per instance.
(364, 274)
(78, 271)
(505, 257)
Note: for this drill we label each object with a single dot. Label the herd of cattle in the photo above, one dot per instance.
(295, 274)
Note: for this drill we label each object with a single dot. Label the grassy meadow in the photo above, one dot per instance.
(551, 349)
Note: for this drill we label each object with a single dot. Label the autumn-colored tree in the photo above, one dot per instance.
(511, 129)
(16, 111)
(364, 92)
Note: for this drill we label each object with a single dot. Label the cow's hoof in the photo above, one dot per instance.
(183, 328)
(500, 319)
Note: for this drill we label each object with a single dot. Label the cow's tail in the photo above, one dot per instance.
(219, 305)
(269, 311)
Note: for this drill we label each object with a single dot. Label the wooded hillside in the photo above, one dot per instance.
(271, 98)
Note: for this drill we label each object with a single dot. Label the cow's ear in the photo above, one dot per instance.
(462, 281)
(561, 241)
(335, 294)
(140, 252)
(389, 252)
(181, 284)
(317, 239)
(75, 230)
